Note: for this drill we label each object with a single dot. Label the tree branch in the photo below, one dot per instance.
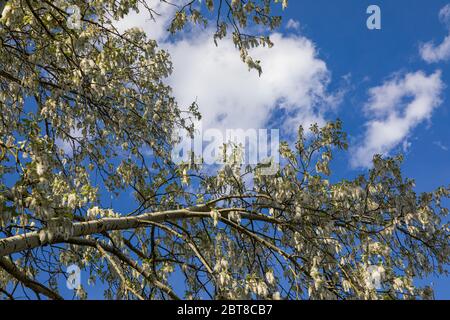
(13, 270)
(30, 240)
(126, 260)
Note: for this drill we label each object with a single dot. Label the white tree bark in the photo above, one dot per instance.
(31, 240)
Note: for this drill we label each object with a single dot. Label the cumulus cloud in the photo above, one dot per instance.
(430, 52)
(294, 80)
(395, 108)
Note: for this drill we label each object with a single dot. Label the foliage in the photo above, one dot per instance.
(81, 109)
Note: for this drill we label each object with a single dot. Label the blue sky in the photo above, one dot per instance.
(348, 47)
(370, 57)
(339, 30)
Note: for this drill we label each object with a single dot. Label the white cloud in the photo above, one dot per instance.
(444, 15)
(440, 145)
(69, 144)
(396, 108)
(294, 79)
(293, 24)
(230, 96)
(430, 52)
(156, 25)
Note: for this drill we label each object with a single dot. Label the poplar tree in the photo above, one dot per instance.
(82, 106)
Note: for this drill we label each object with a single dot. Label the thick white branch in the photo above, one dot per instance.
(30, 240)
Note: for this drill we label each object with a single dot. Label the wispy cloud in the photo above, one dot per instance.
(430, 52)
(440, 145)
(293, 24)
(394, 109)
